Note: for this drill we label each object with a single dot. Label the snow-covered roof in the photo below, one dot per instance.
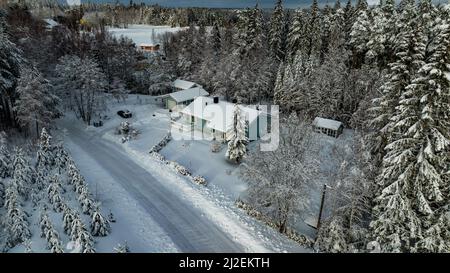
(188, 94)
(327, 123)
(148, 45)
(182, 84)
(219, 116)
(51, 23)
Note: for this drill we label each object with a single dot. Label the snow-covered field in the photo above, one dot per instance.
(142, 34)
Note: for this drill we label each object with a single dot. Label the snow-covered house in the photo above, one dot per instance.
(329, 127)
(214, 117)
(50, 24)
(179, 84)
(181, 99)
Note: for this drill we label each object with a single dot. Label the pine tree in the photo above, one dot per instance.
(99, 225)
(411, 209)
(61, 158)
(22, 173)
(359, 36)
(54, 191)
(409, 53)
(296, 35)
(312, 32)
(216, 40)
(45, 154)
(10, 59)
(16, 224)
(332, 237)
(80, 235)
(68, 217)
(86, 202)
(427, 102)
(276, 34)
(48, 232)
(5, 158)
(382, 33)
(236, 136)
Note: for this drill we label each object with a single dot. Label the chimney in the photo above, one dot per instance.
(216, 99)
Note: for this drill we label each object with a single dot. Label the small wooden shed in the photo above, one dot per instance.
(328, 127)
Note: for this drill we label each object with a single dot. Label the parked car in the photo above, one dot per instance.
(125, 114)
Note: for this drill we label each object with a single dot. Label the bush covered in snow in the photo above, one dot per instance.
(200, 180)
(179, 168)
(158, 147)
(290, 233)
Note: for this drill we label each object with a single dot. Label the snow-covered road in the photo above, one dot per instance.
(184, 224)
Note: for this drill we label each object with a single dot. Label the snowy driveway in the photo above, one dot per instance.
(184, 224)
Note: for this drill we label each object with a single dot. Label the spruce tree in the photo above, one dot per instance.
(276, 34)
(22, 172)
(236, 136)
(5, 158)
(411, 208)
(99, 225)
(409, 53)
(45, 153)
(296, 35)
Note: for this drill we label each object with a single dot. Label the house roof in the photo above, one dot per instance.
(51, 23)
(188, 94)
(219, 116)
(148, 45)
(327, 123)
(182, 84)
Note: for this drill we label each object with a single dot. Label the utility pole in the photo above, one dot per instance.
(321, 205)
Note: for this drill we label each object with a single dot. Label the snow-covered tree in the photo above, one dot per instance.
(312, 31)
(81, 83)
(22, 174)
(68, 216)
(237, 136)
(332, 237)
(48, 232)
(81, 236)
(348, 201)
(122, 248)
(15, 220)
(118, 90)
(86, 201)
(360, 34)
(279, 181)
(45, 154)
(296, 34)
(5, 157)
(37, 106)
(61, 158)
(54, 191)
(10, 59)
(411, 211)
(276, 32)
(99, 225)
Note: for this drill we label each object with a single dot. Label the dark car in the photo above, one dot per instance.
(125, 114)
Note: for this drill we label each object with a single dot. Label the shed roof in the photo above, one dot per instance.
(182, 84)
(51, 23)
(188, 94)
(219, 116)
(327, 123)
